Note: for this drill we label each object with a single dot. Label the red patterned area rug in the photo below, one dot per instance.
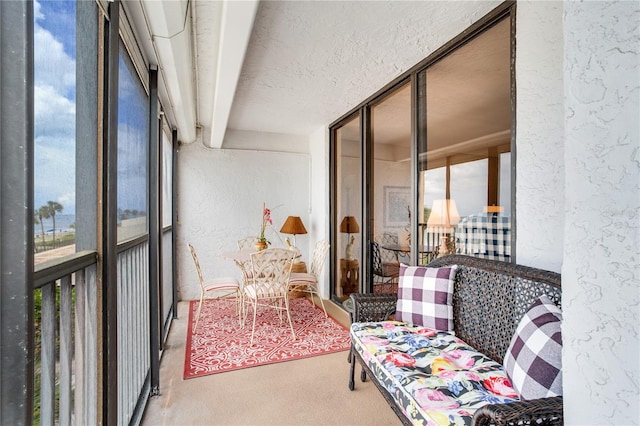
(221, 345)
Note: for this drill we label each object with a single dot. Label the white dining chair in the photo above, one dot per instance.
(224, 287)
(308, 282)
(268, 287)
(247, 243)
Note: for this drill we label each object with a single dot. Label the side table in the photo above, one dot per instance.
(349, 276)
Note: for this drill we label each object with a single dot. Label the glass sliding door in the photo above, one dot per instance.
(348, 209)
(464, 166)
(390, 219)
(424, 168)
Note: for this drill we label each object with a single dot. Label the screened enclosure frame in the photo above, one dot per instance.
(99, 256)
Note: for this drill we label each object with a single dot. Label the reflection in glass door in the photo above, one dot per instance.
(390, 224)
(348, 210)
(465, 165)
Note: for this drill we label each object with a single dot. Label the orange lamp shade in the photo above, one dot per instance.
(349, 225)
(294, 226)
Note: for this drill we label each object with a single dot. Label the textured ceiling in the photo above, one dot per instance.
(468, 101)
(310, 62)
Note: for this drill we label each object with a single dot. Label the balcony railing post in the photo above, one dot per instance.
(108, 249)
(66, 351)
(174, 221)
(155, 231)
(48, 355)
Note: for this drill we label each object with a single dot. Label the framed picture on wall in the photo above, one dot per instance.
(397, 203)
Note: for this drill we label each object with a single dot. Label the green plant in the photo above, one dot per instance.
(266, 220)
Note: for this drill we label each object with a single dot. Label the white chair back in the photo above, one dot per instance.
(319, 255)
(270, 272)
(246, 243)
(195, 261)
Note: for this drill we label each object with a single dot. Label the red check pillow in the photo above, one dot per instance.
(425, 296)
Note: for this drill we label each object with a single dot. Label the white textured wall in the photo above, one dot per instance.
(601, 287)
(220, 196)
(539, 135)
(265, 141)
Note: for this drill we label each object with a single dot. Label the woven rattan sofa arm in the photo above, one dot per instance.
(543, 411)
(373, 307)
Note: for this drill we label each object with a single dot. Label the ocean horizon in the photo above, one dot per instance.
(64, 223)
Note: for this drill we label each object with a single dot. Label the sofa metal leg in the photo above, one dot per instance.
(363, 376)
(352, 370)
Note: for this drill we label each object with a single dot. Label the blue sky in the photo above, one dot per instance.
(54, 103)
(58, 17)
(55, 111)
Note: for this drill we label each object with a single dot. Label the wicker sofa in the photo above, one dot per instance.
(489, 299)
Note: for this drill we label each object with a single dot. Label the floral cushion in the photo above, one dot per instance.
(434, 376)
(425, 296)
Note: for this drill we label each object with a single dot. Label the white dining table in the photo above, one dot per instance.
(242, 258)
(239, 255)
(244, 255)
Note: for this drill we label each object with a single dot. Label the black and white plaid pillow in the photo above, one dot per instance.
(534, 358)
(425, 296)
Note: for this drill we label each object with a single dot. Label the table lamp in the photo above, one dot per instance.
(444, 214)
(293, 225)
(349, 225)
(493, 209)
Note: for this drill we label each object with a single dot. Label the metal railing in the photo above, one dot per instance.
(133, 330)
(66, 330)
(66, 361)
(167, 308)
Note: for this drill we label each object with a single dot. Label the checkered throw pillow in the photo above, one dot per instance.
(534, 358)
(425, 296)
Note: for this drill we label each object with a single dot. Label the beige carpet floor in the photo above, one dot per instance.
(310, 391)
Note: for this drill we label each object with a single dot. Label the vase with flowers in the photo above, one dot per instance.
(262, 242)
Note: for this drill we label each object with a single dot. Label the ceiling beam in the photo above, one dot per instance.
(237, 23)
(169, 24)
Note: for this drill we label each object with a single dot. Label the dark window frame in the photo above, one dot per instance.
(506, 10)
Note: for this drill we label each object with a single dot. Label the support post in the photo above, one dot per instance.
(16, 212)
(109, 243)
(155, 231)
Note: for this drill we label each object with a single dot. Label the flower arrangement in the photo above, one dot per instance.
(266, 220)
